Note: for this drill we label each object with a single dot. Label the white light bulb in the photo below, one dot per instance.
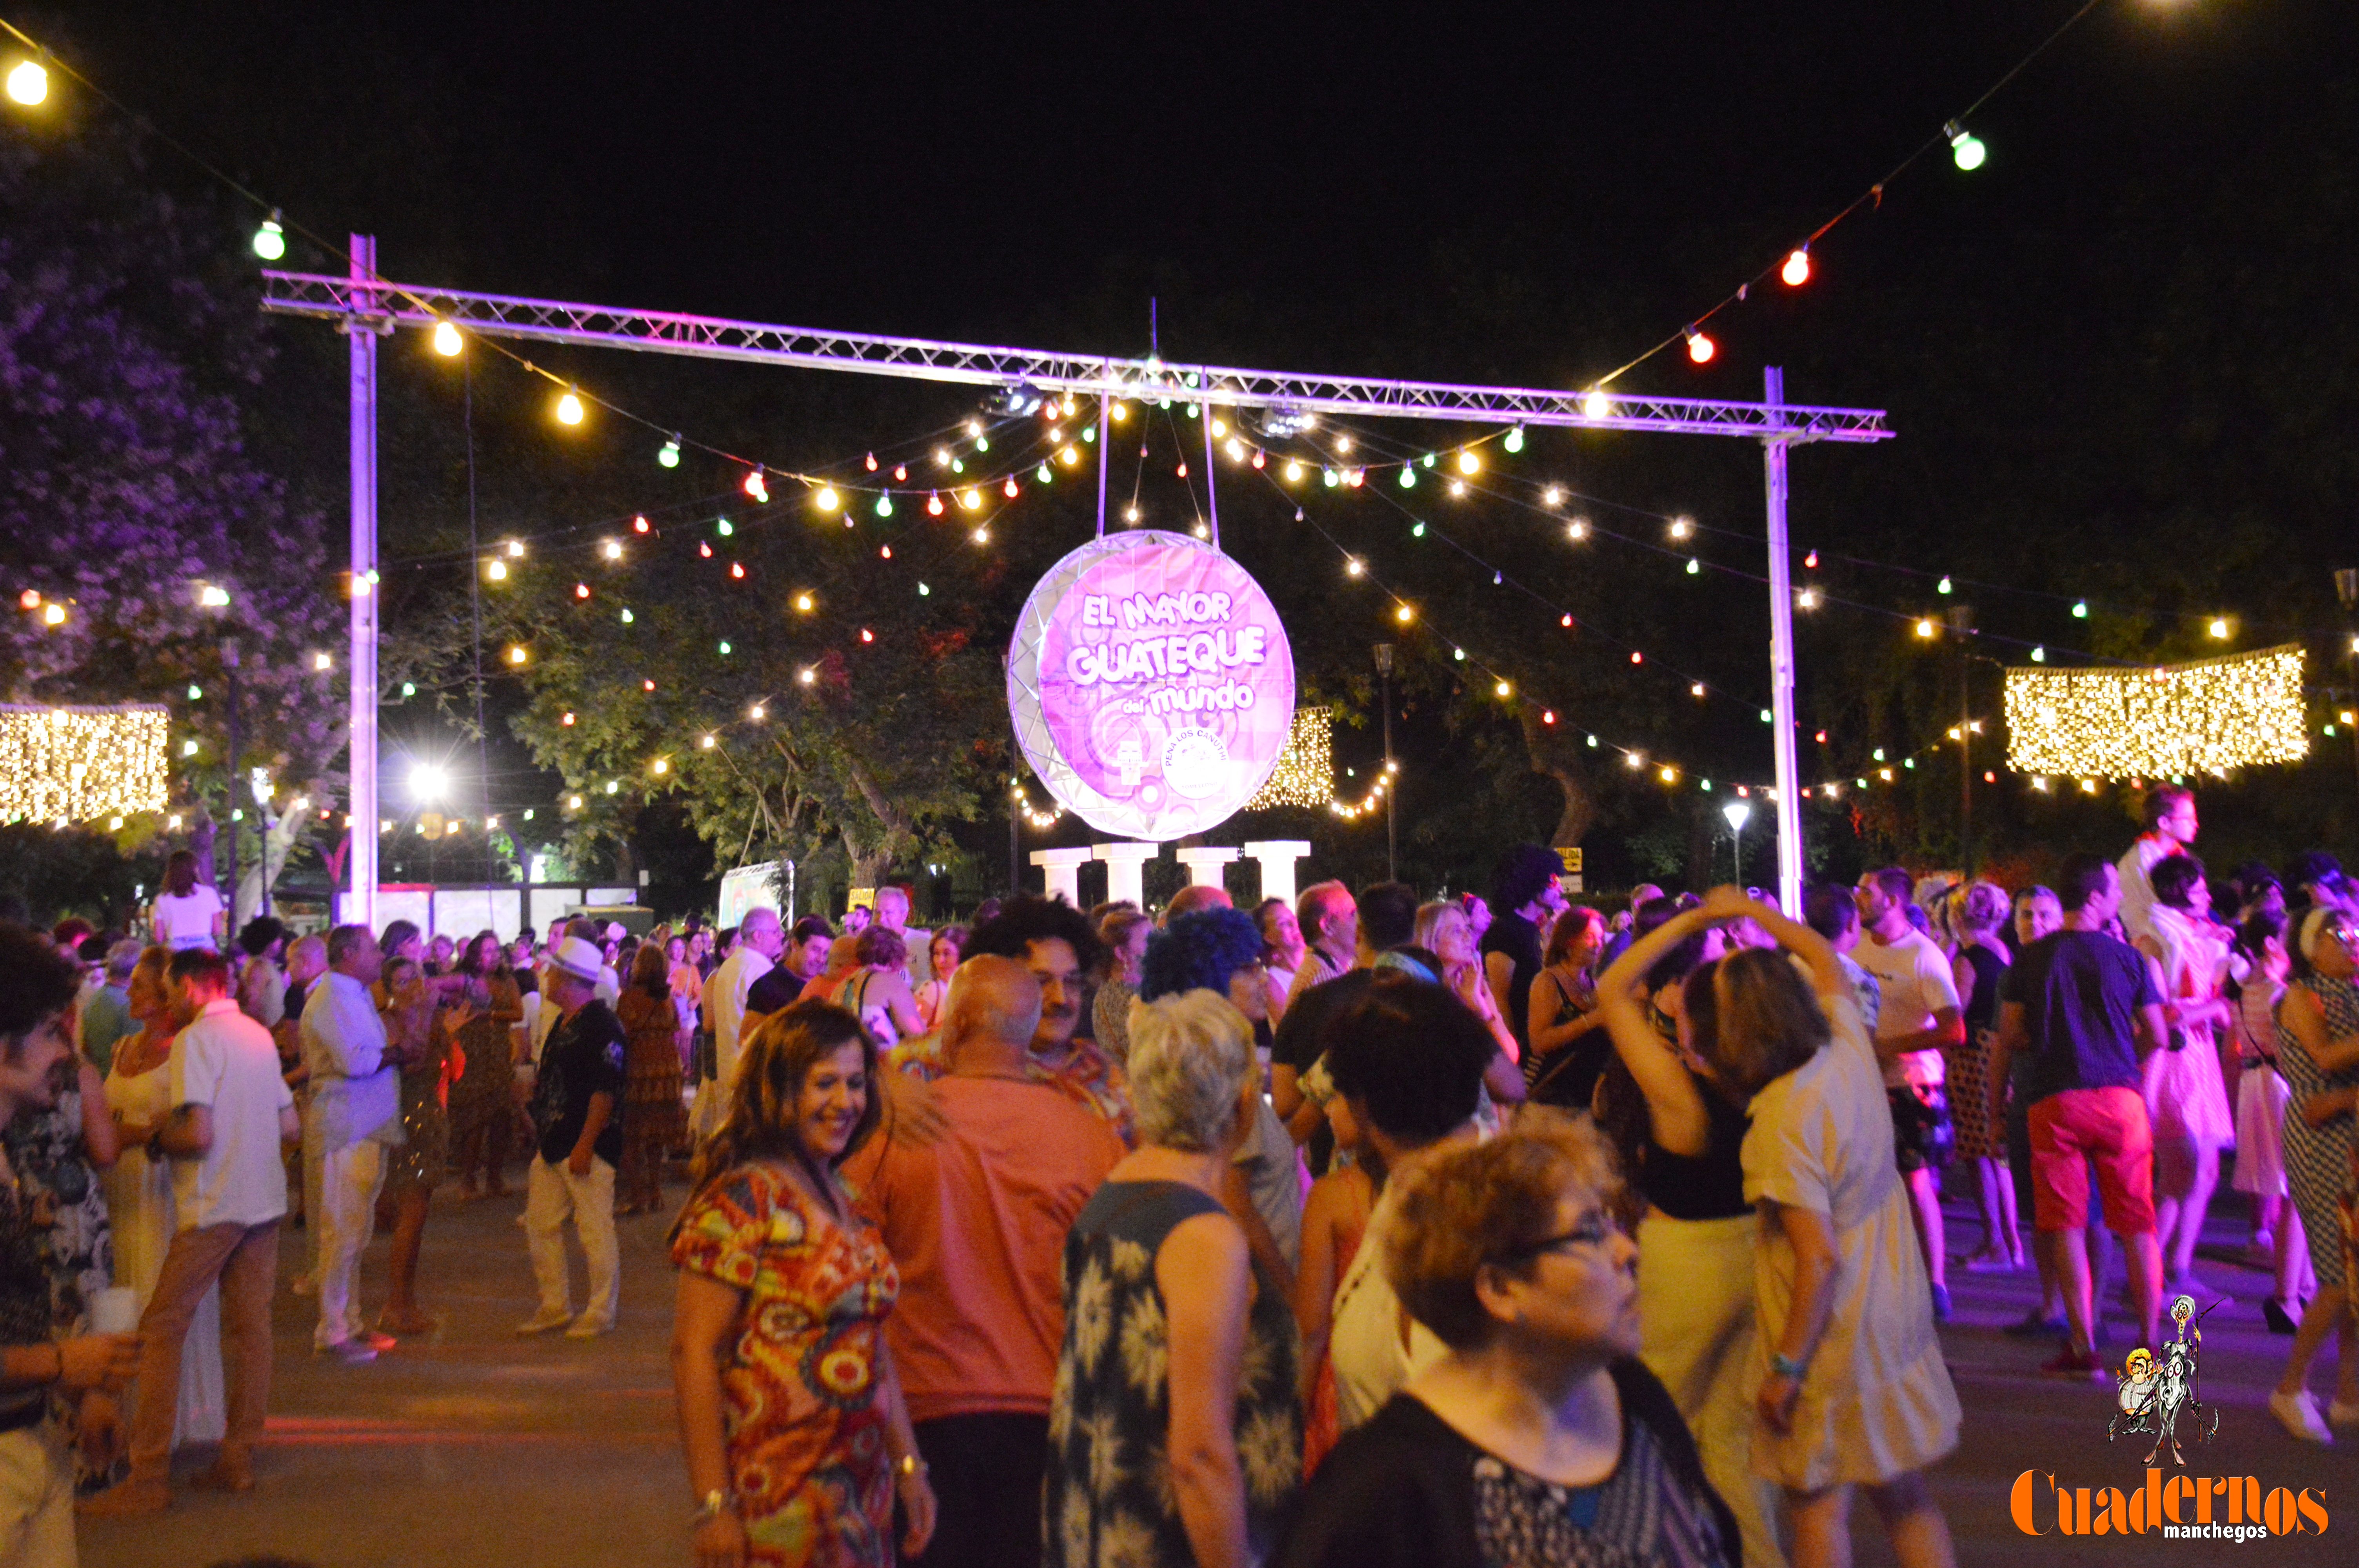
(29, 83)
(568, 408)
(270, 240)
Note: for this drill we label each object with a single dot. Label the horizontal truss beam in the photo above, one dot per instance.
(388, 305)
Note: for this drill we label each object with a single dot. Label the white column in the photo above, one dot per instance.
(1063, 870)
(360, 665)
(1123, 860)
(1204, 862)
(1278, 856)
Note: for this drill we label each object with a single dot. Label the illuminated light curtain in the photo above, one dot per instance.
(1305, 774)
(2176, 720)
(73, 764)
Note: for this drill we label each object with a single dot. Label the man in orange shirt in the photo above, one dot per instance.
(975, 1217)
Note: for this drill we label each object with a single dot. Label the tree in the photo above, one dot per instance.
(130, 351)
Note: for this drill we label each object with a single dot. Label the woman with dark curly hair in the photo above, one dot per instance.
(797, 1439)
(654, 1119)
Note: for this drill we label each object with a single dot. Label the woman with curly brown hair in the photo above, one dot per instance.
(654, 1119)
(797, 1439)
(483, 1098)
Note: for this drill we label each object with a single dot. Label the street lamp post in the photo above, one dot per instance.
(1961, 627)
(2346, 588)
(1384, 652)
(1738, 814)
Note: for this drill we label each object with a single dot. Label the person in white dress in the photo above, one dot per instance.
(139, 1197)
(1850, 1389)
(2186, 1096)
(188, 912)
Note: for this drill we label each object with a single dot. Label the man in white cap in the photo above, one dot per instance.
(577, 1104)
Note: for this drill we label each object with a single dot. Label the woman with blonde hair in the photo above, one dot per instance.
(1979, 967)
(1175, 1437)
(797, 1439)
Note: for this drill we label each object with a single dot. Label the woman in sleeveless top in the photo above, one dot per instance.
(2318, 1050)
(1176, 1343)
(1681, 1140)
(877, 993)
(1569, 1047)
(1977, 970)
(2187, 1101)
(2261, 1101)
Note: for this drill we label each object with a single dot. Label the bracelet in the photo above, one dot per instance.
(1785, 1365)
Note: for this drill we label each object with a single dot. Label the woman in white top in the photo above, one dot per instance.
(1281, 950)
(139, 1198)
(2186, 1099)
(188, 912)
(942, 955)
(878, 994)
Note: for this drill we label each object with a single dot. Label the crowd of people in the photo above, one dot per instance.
(1357, 1228)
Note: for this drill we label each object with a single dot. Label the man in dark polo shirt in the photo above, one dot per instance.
(2084, 1008)
(577, 1118)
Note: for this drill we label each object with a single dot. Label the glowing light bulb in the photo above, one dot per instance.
(757, 486)
(54, 614)
(1515, 441)
(757, 713)
(1943, 587)
(1696, 690)
(1121, 411)
(807, 675)
(1700, 348)
(1293, 470)
(568, 408)
(2219, 627)
(1549, 716)
(722, 526)
(1010, 489)
(1925, 629)
(1552, 496)
(1808, 599)
(726, 650)
(2040, 655)
(934, 503)
(1797, 270)
(2079, 610)
(446, 341)
(1504, 689)
(1694, 566)
(516, 655)
(970, 499)
(901, 473)
(1470, 462)
(866, 635)
(1670, 774)
(981, 536)
(1355, 566)
(1597, 405)
(661, 767)
(269, 241)
(1045, 474)
(1683, 526)
(737, 569)
(28, 84)
(1577, 530)
(498, 572)
(884, 506)
(1131, 514)
(706, 741)
(1457, 487)
(1811, 560)
(1407, 477)
(581, 591)
(1404, 614)
(1966, 149)
(1565, 621)
(668, 455)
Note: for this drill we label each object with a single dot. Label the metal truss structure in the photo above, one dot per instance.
(1046, 371)
(366, 306)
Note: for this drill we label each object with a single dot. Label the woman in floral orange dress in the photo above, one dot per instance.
(797, 1438)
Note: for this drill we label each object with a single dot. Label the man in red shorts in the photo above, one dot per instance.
(2084, 1008)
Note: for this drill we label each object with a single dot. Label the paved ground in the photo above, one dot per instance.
(477, 1447)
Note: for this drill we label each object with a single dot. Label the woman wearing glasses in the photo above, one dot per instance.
(1539, 1439)
(2318, 1052)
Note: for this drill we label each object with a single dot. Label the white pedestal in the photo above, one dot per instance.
(1204, 862)
(1278, 856)
(1123, 862)
(1063, 870)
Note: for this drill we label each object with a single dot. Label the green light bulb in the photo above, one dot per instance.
(1515, 441)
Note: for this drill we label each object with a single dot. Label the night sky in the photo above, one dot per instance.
(2120, 352)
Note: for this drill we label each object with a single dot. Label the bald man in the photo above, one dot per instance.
(976, 1220)
(1195, 898)
(760, 940)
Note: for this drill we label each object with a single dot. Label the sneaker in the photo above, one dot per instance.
(587, 1327)
(544, 1320)
(351, 1352)
(2298, 1414)
(2036, 1325)
(2082, 1365)
(1940, 1304)
(375, 1341)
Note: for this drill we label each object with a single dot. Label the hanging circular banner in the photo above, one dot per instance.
(1151, 685)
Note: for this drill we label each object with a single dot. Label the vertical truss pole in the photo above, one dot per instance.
(1105, 454)
(361, 907)
(1781, 658)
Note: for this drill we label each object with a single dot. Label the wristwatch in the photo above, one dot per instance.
(1785, 1365)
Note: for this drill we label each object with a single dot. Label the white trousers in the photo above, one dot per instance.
(36, 1517)
(1695, 1333)
(552, 1194)
(350, 1179)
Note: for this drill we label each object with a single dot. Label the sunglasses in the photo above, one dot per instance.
(1595, 1231)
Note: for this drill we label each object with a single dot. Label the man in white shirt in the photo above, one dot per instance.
(760, 940)
(355, 1115)
(2170, 828)
(1918, 1018)
(231, 1115)
(893, 913)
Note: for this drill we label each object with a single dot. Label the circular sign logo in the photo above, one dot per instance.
(1151, 685)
